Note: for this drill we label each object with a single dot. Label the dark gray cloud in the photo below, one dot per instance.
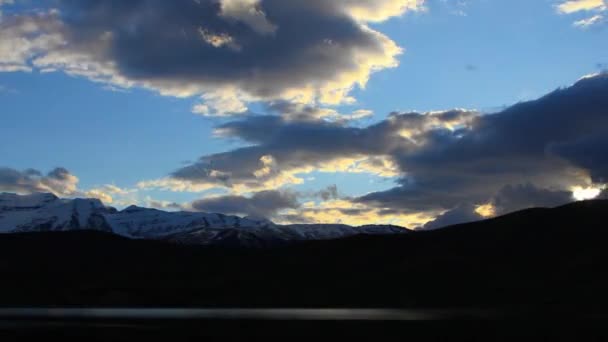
(589, 152)
(458, 215)
(262, 204)
(58, 181)
(509, 199)
(331, 192)
(163, 205)
(226, 50)
(551, 143)
(517, 197)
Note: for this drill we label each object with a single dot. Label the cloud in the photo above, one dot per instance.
(266, 204)
(330, 192)
(574, 6)
(290, 206)
(301, 112)
(345, 211)
(587, 22)
(58, 181)
(262, 204)
(164, 205)
(509, 199)
(23, 37)
(280, 149)
(533, 153)
(587, 152)
(543, 142)
(248, 12)
(458, 215)
(517, 197)
(379, 10)
(228, 52)
(109, 194)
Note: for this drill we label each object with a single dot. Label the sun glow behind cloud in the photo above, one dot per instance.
(582, 194)
(344, 211)
(486, 210)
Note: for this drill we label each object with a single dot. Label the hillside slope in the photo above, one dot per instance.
(539, 258)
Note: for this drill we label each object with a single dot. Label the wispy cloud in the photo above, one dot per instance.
(596, 19)
(7, 90)
(585, 6)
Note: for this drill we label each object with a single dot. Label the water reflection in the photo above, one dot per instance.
(236, 313)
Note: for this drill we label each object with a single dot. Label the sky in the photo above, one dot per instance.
(419, 113)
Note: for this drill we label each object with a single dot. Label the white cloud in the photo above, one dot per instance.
(573, 6)
(596, 19)
(248, 12)
(381, 10)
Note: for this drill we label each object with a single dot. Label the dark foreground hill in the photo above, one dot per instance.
(537, 258)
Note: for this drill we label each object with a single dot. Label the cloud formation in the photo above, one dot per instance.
(517, 197)
(530, 154)
(228, 52)
(345, 211)
(596, 7)
(451, 165)
(288, 206)
(539, 142)
(572, 6)
(264, 204)
(280, 149)
(58, 181)
(458, 215)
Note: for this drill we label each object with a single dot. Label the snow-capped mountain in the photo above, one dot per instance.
(275, 234)
(46, 212)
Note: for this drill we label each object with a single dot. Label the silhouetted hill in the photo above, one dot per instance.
(536, 258)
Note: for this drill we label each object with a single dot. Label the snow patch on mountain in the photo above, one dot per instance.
(46, 212)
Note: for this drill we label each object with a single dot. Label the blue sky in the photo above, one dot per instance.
(479, 55)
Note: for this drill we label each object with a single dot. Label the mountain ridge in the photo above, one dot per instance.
(551, 259)
(47, 212)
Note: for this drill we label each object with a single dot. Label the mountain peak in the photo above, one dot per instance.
(133, 208)
(38, 199)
